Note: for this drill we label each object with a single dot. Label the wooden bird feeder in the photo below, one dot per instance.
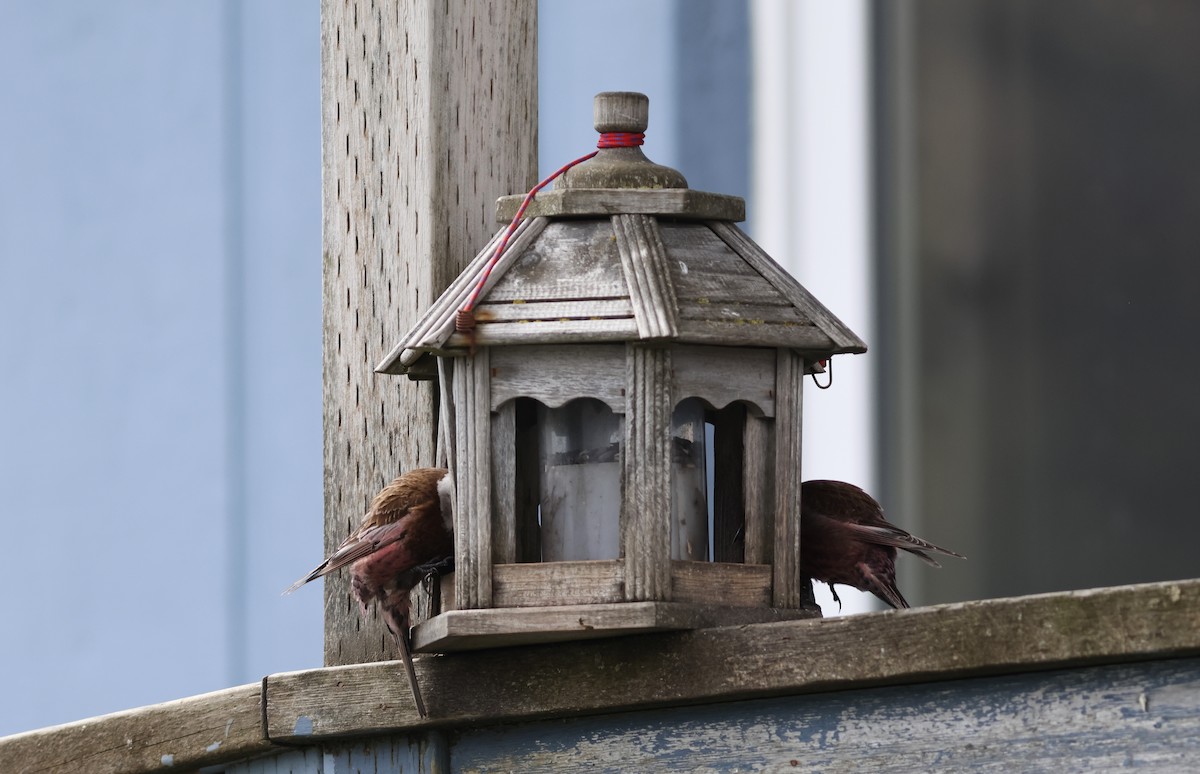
(624, 422)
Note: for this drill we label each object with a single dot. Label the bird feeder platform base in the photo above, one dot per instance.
(457, 630)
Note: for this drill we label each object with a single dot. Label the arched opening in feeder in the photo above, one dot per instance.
(568, 469)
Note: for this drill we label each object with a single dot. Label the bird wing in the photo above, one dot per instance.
(363, 542)
(889, 535)
(415, 490)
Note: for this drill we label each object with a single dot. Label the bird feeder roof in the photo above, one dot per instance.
(627, 263)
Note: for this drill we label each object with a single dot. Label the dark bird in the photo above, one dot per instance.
(845, 539)
(407, 533)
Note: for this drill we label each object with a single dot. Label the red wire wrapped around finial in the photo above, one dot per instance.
(464, 320)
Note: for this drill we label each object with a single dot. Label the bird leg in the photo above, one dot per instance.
(836, 598)
(430, 573)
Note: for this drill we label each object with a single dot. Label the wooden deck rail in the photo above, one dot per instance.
(922, 645)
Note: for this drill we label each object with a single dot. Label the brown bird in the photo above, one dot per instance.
(407, 533)
(845, 539)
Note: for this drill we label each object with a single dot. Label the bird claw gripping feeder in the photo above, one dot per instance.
(599, 360)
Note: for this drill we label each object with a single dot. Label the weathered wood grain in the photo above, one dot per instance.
(789, 375)
(601, 581)
(752, 333)
(200, 730)
(646, 480)
(758, 443)
(582, 582)
(447, 303)
(447, 436)
(1132, 716)
(428, 114)
(504, 484)
(443, 315)
(1129, 623)
(746, 310)
(644, 260)
(437, 320)
(463, 630)
(603, 202)
(722, 375)
(548, 332)
(475, 629)
(555, 310)
(718, 286)
(844, 339)
(926, 646)
(720, 583)
(705, 269)
(555, 374)
(572, 260)
(473, 482)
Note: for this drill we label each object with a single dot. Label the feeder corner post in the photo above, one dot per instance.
(429, 113)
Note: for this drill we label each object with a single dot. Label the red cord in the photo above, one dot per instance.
(464, 320)
(620, 139)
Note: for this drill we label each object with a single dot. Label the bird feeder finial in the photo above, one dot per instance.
(621, 118)
(621, 111)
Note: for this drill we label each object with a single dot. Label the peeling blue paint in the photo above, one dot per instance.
(303, 727)
(1075, 719)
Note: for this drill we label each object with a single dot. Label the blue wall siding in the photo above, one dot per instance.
(159, 213)
(1098, 719)
(419, 754)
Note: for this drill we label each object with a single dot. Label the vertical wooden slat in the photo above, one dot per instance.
(729, 502)
(646, 505)
(504, 475)
(789, 388)
(757, 466)
(446, 434)
(472, 478)
(429, 112)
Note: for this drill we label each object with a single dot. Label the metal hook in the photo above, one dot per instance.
(827, 384)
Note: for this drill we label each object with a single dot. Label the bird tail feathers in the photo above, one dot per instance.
(898, 538)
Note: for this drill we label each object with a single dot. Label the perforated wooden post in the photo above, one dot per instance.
(429, 113)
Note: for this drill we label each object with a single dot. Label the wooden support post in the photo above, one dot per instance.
(504, 480)
(473, 483)
(429, 113)
(789, 401)
(645, 517)
(758, 454)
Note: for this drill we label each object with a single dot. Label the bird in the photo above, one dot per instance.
(406, 534)
(845, 539)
